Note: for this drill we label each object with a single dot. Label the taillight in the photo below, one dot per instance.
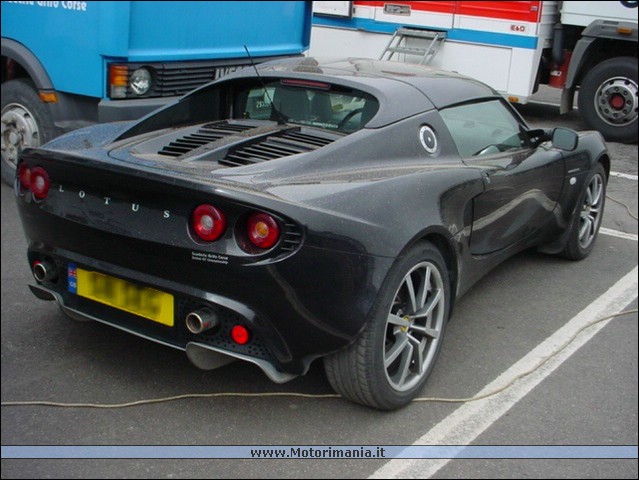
(263, 230)
(208, 222)
(39, 182)
(24, 176)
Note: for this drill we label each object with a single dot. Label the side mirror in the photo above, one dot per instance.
(564, 139)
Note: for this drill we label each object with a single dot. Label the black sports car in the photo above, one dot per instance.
(305, 210)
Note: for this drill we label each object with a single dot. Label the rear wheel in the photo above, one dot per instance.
(608, 99)
(587, 218)
(391, 360)
(25, 122)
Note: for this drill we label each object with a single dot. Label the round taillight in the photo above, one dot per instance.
(208, 222)
(39, 182)
(24, 176)
(240, 334)
(263, 230)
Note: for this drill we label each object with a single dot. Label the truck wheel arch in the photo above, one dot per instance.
(28, 61)
(584, 54)
(600, 43)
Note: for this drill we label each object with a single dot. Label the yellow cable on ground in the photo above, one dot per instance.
(624, 205)
(304, 395)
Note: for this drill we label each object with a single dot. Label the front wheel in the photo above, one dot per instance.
(587, 217)
(608, 99)
(391, 360)
(25, 123)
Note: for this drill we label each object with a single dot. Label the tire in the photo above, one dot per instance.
(608, 99)
(586, 220)
(391, 360)
(26, 122)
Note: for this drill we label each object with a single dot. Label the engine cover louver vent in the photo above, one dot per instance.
(207, 134)
(281, 144)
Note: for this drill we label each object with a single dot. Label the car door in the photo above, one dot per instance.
(522, 184)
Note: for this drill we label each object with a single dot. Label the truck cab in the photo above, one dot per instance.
(66, 65)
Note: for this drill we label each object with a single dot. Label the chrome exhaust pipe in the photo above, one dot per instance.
(44, 270)
(201, 320)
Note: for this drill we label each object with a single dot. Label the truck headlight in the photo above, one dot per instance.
(140, 81)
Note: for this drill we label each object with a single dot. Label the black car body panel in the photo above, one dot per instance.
(348, 203)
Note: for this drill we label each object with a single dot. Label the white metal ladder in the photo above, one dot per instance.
(431, 41)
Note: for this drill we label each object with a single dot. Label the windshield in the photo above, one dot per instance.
(309, 103)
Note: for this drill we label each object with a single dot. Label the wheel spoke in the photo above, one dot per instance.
(589, 195)
(597, 188)
(404, 366)
(411, 292)
(397, 320)
(425, 331)
(585, 229)
(418, 354)
(423, 290)
(432, 303)
(401, 343)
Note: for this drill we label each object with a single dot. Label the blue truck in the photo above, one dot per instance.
(66, 65)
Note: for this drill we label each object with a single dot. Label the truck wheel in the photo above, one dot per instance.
(608, 99)
(389, 363)
(25, 123)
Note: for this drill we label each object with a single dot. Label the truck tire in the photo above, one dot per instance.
(26, 122)
(608, 99)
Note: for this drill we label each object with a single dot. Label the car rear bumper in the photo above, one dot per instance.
(288, 327)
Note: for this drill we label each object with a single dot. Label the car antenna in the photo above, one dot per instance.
(280, 117)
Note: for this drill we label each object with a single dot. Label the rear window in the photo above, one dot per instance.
(307, 103)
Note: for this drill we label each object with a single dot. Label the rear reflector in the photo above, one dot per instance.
(240, 334)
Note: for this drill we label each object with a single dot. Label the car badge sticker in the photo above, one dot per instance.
(428, 139)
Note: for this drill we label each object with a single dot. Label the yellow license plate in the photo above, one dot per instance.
(143, 301)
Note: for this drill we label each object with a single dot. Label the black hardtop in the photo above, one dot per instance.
(394, 81)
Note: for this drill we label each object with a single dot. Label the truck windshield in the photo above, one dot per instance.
(300, 102)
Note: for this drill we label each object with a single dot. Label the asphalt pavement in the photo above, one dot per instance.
(519, 315)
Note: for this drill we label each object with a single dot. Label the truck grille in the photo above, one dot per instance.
(178, 78)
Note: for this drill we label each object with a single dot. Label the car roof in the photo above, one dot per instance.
(403, 89)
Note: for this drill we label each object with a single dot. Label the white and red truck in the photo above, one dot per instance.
(588, 48)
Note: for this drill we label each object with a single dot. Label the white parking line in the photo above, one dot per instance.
(618, 234)
(624, 175)
(471, 419)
